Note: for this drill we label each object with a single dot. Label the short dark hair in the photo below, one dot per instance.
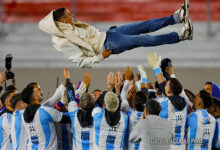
(10, 88)
(153, 107)
(164, 64)
(140, 99)
(4, 97)
(96, 90)
(27, 93)
(208, 83)
(175, 86)
(206, 98)
(32, 84)
(58, 13)
(87, 102)
(14, 100)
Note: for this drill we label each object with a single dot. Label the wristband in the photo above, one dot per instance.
(157, 71)
(144, 80)
(60, 105)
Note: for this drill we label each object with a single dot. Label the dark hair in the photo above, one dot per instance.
(87, 102)
(189, 94)
(206, 98)
(4, 97)
(175, 86)
(96, 90)
(153, 107)
(140, 99)
(10, 88)
(32, 84)
(164, 64)
(59, 13)
(14, 100)
(208, 83)
(27, 93)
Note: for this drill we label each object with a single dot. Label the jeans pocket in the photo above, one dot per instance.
(112, 42)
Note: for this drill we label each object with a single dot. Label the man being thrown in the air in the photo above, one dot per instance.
(85, 45)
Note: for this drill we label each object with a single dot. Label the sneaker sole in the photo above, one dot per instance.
(186, 6)
(191, 29)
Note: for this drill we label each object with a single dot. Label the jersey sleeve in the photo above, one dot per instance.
(124, 95)
(72, 106)
(55, 116)
(96, 110)
(57, 95)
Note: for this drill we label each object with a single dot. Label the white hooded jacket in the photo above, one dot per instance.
(83, 51)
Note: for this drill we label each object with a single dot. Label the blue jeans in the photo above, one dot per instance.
(133, 35)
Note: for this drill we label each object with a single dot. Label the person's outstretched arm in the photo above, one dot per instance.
(59, 91)
(154, 62)
(124, 93)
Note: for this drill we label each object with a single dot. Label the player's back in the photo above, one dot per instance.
(41, 128)
(106, 136)
(178, 118)
(82, 136)
(133, 117)
(200, 130)
(18, 132)
(5, 137)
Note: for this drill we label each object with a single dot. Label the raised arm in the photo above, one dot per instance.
(124, 93)
(110, 81)
(154, 62)
(84, 85)
(58, 94)
(143, 80)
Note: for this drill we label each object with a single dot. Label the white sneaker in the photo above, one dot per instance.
(183, 12)
(186, 33)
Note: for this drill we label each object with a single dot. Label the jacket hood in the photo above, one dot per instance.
(215, 90)
(30, 112)
(85, 118)
(47, 24)
(178, 102)
(112, 119)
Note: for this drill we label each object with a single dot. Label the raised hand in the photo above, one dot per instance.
(142, 74)
(110, 81)
(128, 73)
(154, 62)
(87, 79)
(118, 80)
(66, 73)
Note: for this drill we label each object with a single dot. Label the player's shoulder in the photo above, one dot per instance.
(97, 110)
(162, 99)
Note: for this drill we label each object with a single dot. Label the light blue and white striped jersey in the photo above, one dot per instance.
(216, 142)
(178, 118)
(200, 130)
(18, 132)
(5, 137)
(107, 137)
(133, 117)
(42, 131)
(82, 137)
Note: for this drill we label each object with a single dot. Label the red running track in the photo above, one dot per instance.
(106, 10)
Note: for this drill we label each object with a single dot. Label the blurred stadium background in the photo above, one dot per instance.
(35, 59)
